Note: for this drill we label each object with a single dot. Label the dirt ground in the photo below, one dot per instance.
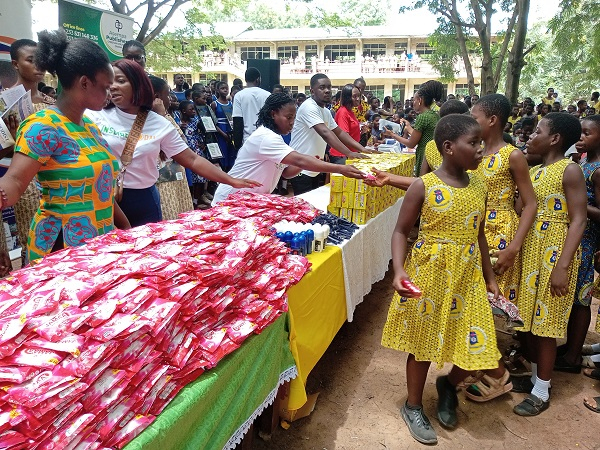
(363, 385)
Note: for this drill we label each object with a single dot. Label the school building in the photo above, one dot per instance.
(392, 63)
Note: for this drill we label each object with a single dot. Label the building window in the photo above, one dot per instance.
(424, 50)
(398, 91)
(204, 78)
(416, 87)
(255, 53)
(287, 52)
(307, 91)
(164, 76)
(293, 89)
(374, 49)
(377, 90)
(400, 47)
(342, 52)
(463, 89)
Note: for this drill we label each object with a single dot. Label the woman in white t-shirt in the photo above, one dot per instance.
(130, 93)
(265, 157)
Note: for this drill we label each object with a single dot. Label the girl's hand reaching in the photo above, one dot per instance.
(559, 282)
(241, 183)
(402, 290)
(381, 178)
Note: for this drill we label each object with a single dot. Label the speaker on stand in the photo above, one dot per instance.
(269, 72)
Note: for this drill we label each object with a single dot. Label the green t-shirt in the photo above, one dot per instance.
(425, 123)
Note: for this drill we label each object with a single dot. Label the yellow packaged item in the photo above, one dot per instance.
(349, 184)
(333, 210)
(359, 217)
(337, 182)
(335, 199)
(347, 200)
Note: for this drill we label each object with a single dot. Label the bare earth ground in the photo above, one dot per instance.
(362, 387)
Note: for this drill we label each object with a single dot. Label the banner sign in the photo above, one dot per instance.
(108, 29)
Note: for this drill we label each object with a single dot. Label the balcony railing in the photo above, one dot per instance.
(300, 68)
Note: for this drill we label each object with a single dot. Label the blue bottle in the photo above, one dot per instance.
(310, 236)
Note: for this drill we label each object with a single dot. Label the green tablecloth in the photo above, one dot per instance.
(216, 410)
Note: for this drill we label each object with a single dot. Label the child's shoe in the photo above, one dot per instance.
(531, 406)
(447, 402)
(418, 424)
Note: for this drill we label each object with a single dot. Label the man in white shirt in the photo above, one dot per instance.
(246, 105)
(314, 128)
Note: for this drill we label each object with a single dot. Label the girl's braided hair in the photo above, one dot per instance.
(430, 91)
(273, 103)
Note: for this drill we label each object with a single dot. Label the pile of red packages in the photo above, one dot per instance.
(270, 208)
(95, 341)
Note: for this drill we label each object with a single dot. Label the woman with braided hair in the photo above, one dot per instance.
(265, 157)
(422, 131)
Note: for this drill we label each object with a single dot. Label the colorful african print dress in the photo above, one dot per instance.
(501, 220)
(543, 314)
(433, 156)
(590, 243)
(452, 321)
(29, 202)
(76, 177)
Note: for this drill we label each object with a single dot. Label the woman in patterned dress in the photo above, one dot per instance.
(452, 320)
(66, 152)
(550, 253)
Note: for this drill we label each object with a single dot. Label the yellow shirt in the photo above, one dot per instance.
(548, 101)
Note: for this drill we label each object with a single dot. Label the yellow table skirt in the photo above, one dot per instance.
(317, 310)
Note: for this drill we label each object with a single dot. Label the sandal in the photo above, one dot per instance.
(471, 379)
(592, 373)
(531, 406)
(516, 364)
(488, 388)
(596, 408)
(586, 361)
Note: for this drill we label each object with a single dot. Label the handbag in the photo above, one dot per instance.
(127, 155)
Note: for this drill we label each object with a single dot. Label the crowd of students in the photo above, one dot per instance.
(503, 211)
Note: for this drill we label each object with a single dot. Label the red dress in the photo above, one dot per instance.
(348, 122)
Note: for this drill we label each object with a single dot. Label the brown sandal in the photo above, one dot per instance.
(488, 388)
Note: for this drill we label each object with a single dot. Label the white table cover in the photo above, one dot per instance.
(367, 254)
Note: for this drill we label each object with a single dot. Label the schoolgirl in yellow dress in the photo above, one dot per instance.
(550, 253)
(504, 170)
(452, 320)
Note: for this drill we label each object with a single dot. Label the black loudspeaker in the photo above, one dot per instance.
(269, 72)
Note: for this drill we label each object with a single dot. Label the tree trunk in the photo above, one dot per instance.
(516, 58)
(462, 42)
